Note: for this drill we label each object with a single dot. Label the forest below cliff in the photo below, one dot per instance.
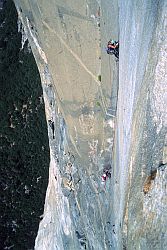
(24, 150)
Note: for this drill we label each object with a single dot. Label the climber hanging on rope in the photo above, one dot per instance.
(51, 124)
(113, 48)
(105, 176)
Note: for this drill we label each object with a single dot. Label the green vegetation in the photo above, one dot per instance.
(24, 150)
(99, 78)
(98, 104)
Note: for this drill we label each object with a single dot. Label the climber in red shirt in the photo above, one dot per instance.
(105, 176)
(103, 181)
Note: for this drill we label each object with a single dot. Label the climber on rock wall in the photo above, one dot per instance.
(105, 176)
(113, 44)
(51, 124)
(113, 48)
(108, 173)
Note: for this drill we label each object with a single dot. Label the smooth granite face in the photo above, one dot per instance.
(101, 120)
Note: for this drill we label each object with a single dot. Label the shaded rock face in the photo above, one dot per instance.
(95, 127)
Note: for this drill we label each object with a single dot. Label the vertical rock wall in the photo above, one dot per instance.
(141, 126)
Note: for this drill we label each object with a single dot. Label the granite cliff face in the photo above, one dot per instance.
(102, 115)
